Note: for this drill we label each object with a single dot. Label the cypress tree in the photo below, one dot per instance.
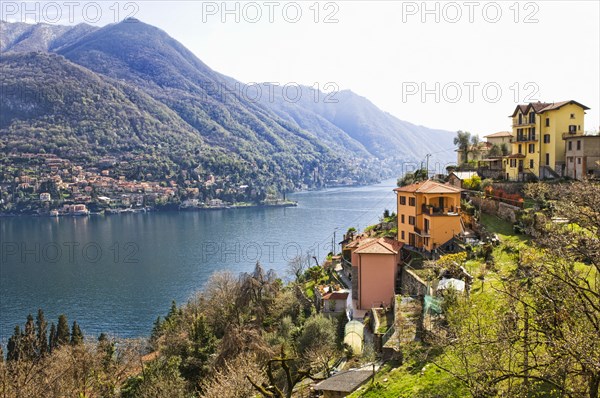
(52, 339)
(173, 312)
(76, 335)
(1, 355)
(106, 346)
(14, 345)
(62, 331)
(42, 334)
(28, 343)
(156, 330)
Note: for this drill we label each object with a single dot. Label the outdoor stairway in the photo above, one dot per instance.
(549, 170)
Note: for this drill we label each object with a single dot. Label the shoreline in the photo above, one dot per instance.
(192, 208)
(112, 212)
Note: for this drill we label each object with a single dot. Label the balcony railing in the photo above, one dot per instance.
(569, 134)
(439, 211)
(525, 138)
(420, 232)
(523, 123)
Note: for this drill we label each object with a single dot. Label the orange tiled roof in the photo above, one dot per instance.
(429, 187)
(380, 246)
(358, 242)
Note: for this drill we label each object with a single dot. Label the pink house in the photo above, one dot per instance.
(375, 266)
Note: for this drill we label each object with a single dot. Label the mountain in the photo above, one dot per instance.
(24, 37)
(382, 134)
(208, 124)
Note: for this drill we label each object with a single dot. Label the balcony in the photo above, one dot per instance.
(421, 233)
(523, 123)
(570, 134)
(527, 138)
(439, 211)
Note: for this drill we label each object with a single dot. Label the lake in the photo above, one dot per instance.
(117, 273)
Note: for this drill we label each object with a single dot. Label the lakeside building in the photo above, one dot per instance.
(540, 130)
(582, 156)
(375, 266)
(500, 138)
(428, 214)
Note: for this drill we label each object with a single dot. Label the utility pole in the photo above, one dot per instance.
(428, 156)
(333, 243)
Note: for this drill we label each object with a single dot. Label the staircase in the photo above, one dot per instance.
(548, 172)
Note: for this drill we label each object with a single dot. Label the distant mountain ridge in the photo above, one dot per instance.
(276, 142)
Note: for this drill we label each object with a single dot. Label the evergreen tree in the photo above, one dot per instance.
(28, 343)
(201, 347)
(42, 334)
(76, 335)
(52, 339)
(106, 346)
(173, 312)
(156, 330)
(14, 345)
(62, 331)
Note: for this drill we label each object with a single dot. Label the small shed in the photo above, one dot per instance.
(335, 302)
(343, 383)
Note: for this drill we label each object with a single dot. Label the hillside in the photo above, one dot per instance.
(266, 143)
(22, 37)
(382, 134)
(65, 109)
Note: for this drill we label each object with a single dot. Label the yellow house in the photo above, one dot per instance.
(538, 147)
(428, 214)
(500, 138)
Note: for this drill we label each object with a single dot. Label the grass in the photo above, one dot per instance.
(409, 380)
(504, 229)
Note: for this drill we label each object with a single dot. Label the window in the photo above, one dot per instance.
(411, 220)
(531, 163)
(403, 200)
(513, 163)
(570, 159)
(402, 218)
(520, 118)
(547, 159)
(546, 138)
(412, 202)
(532, 117)
(572, 116)
(578, 160)
(547, 122)
(572, 129)
(531, 148)
(578, 145)
(402, 235)
(570, 145)
(520, 148)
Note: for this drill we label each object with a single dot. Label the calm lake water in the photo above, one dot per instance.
(117, 273)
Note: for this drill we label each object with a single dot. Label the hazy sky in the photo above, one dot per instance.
(450, 65)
